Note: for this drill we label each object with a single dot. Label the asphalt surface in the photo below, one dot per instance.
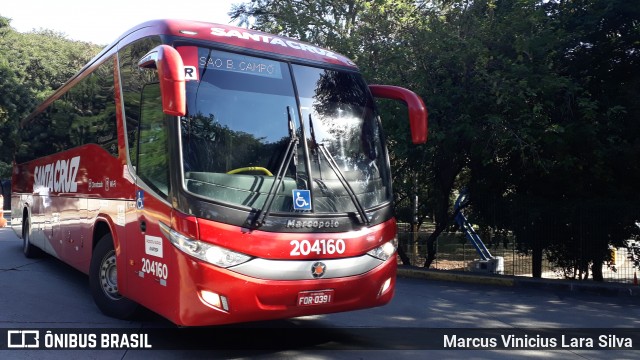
(591, 287)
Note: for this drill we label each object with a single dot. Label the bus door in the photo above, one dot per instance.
(40, 222)
(146, 246)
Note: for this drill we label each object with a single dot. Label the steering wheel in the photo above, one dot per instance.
(250, 168)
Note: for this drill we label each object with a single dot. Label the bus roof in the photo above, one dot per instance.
(227, 35)
(238, 37)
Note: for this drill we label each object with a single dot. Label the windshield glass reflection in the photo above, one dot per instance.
(342, 119)
(237, 131)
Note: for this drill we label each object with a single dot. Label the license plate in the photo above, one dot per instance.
(310, 298)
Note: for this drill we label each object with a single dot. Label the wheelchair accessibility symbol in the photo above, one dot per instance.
(301, 199)
(140, 199)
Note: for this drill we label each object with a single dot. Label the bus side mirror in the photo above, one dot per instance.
(417, 110)
(171, 75)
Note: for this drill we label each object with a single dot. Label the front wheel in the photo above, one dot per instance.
(103, 279)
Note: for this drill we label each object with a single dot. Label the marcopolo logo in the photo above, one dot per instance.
(59, 176)
(312, 224)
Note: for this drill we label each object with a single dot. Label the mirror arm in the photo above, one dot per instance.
(417, 110)
(170, 68)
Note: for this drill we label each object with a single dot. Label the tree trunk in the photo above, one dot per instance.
(447, 168)
(431, 244)
(596, 271)
(536, 259)
(403, 256)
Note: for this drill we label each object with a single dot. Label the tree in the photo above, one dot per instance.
(14, 102)
(32, 66)
(561, 181)
(330, 23)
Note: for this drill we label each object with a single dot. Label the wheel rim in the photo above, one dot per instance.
(109, 276)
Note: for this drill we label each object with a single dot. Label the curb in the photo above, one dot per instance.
(445, 275)
(607, 289)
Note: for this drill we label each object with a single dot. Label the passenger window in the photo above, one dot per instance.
(153, 147)
(133, 79)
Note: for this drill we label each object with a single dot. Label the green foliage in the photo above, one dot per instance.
(575, 137)
(32, 66)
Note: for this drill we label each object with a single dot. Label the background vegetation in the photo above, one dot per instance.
(534, 107)
(32, 66)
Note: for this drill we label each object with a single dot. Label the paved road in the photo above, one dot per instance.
(46, 294)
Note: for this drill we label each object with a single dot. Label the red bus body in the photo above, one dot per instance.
(293, 263)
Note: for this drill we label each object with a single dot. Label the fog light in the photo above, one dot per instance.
(385, 287)
(215, 300)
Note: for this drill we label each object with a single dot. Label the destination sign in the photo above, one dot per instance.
(225, 61)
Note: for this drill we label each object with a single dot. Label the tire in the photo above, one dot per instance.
(103, 282)
(28, 249)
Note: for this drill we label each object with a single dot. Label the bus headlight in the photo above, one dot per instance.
(222, 257)
(384, 251)
(212, 254)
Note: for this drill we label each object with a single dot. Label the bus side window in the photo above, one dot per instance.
(153, 147)
(133, 80)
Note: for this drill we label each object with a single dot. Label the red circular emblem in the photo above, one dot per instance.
(318, 269)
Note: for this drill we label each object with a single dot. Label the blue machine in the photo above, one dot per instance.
(487, 262)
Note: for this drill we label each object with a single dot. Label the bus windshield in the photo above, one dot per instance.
(243, 118)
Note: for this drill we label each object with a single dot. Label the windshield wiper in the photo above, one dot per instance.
(364, 219)
(289, 154)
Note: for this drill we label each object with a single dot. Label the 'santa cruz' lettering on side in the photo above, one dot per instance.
(273, 40)
(59, 176)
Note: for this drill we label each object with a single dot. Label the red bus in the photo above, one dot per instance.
(214, 175)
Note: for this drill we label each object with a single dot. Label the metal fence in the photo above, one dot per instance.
(455, 252)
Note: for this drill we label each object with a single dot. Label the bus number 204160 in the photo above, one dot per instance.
(155, 268)
(319, 247)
